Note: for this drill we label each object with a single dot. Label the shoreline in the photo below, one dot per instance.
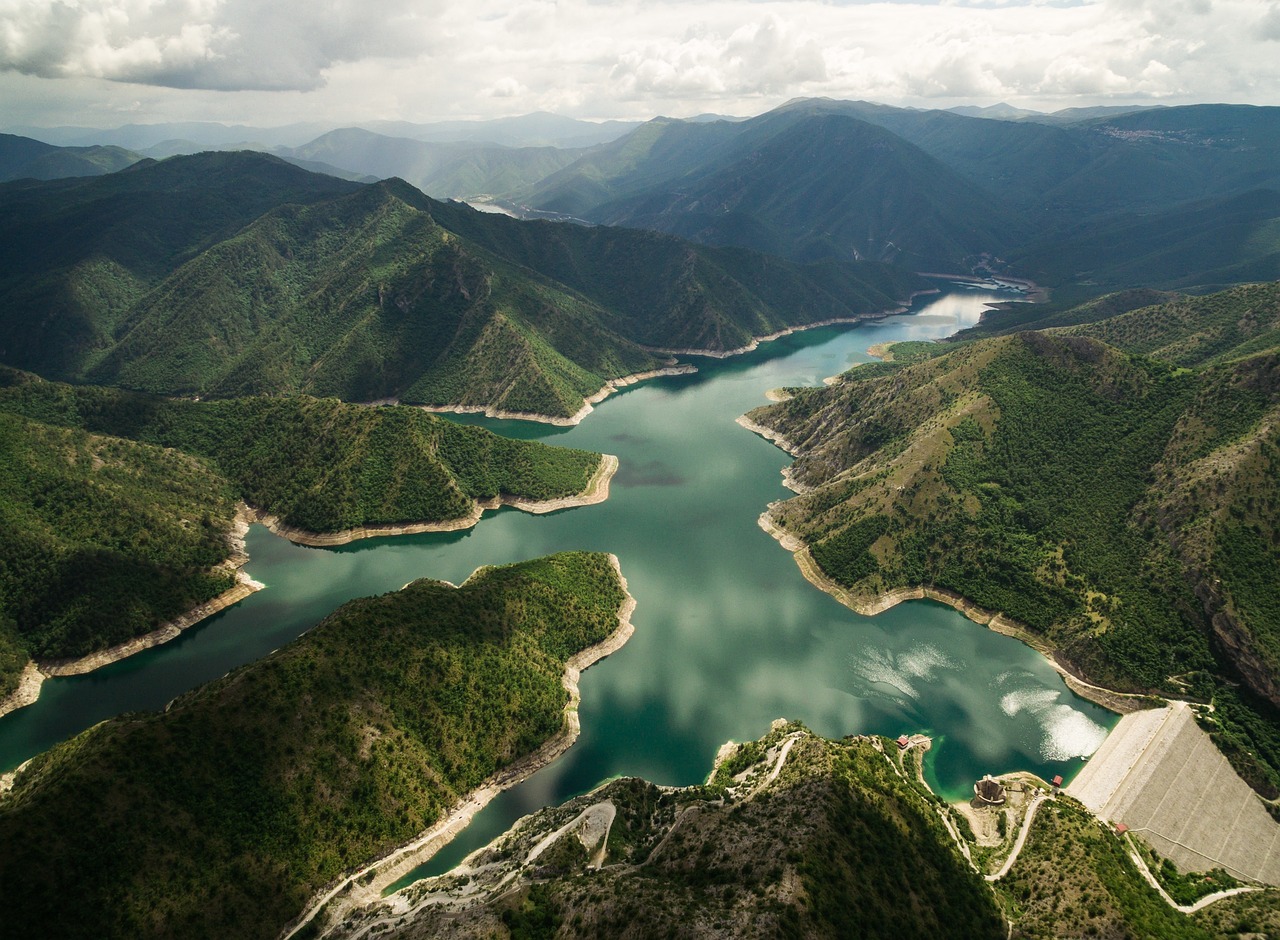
(36, 671)
(1119, 702)
(674, 368)
(597, 491)
(366, 885)
(903, 307)
(1034, 292)
(588, 403)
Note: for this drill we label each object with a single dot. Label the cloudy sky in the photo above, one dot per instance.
(108, 62)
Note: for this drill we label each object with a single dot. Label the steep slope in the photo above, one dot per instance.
(1202, 244)
(668, 294)
(379, 292)
(82, 252)
(791, 182)
(105, 539)
(799, 837)
(1095, 498)
(221, 815)
(367, 297)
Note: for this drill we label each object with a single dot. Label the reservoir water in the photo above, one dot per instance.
(729, 635)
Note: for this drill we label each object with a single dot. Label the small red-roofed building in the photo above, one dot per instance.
(903, 741)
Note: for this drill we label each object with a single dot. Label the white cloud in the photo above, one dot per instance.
(425, 59)
(216, 44)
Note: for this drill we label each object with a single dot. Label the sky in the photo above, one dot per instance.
(103, 63)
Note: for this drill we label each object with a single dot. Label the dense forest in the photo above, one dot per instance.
(1123, 508)
(118, 504)
(221, 815)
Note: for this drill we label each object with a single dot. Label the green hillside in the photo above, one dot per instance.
(130, 497)
(844, 843)
(1197, 331)
(377, 292)
(221, 815)
(664, 293)
(83, 252)
(1121, 509)
(366, 297)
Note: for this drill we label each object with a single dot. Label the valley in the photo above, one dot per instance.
(260, 412)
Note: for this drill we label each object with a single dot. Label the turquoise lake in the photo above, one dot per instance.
(729, 635)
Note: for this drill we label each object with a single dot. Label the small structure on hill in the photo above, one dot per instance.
(903, 741)
(988, 791)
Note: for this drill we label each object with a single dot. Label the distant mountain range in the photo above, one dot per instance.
(1086, 199)
(24, 158)
(822, 178)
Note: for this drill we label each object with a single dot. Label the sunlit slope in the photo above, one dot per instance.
(1121, 508)
(220, 816)
(792, 836)
(1191, 330)
(367, 297)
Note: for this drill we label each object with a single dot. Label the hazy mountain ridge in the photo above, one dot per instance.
(24, 158)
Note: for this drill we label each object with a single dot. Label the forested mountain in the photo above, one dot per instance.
(1122, 509)
(24, 158)
(231, 274)
(221, 815)
(118, 506)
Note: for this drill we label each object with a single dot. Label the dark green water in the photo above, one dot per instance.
(728, 636)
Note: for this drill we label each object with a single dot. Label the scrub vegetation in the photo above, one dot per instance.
(1120, 507)
(840, 844)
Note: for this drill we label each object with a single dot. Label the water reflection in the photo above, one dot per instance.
(729, 635)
